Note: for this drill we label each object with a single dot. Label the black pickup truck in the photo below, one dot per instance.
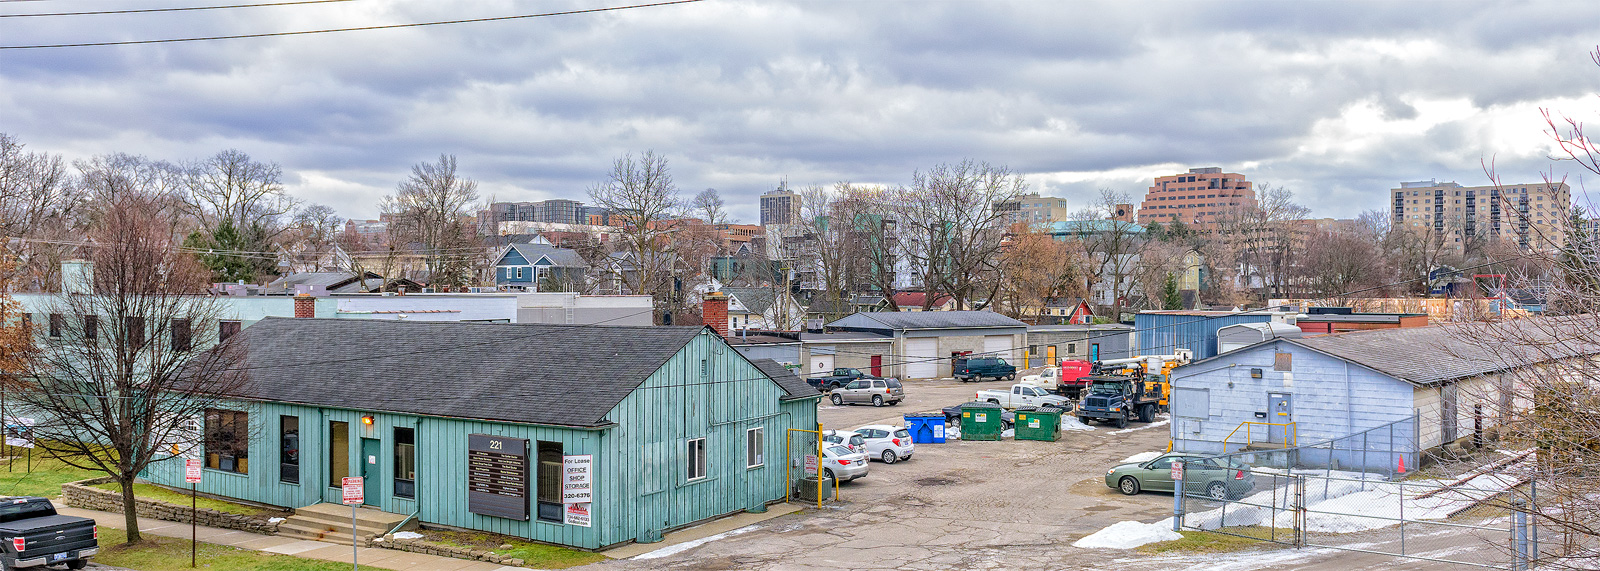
(36, 536)
(840, 377)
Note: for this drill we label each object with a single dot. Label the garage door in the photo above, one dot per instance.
(922, 358)
(997, 346)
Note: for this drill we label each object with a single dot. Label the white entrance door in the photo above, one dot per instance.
(998, 346)
(922, 357)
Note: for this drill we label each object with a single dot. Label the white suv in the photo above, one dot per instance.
(887, 443)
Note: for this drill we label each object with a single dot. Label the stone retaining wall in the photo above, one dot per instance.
(83, 495)
(424, 546)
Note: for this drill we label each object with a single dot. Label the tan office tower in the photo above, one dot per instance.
(1530, 214)
(1196, 198)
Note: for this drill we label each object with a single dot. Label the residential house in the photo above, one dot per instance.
(925, 344)
(914, 300)
(475, 428)
(1059, 310)
(540, 267)
(763, 308)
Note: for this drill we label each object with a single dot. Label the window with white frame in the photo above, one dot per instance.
(696, 459)
(519, 273)
(754, 448)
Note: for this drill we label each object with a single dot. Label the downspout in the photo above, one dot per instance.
(1349, 394)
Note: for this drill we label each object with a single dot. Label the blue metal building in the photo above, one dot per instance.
(1160, 332)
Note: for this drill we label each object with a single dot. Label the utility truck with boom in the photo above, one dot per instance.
(1126, 389)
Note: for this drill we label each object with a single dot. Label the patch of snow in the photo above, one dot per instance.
(408, 535)
(1128, 535)
(1140, 457)
(952, 433)
(275, 520)
(1008, 433)
(687, 545)
(1072, 423)
(1145, 427)
(1344, 506)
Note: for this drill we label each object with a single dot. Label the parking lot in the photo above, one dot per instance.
(969, 505)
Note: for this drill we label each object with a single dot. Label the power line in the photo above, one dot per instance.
(184, 9)
(354, 29)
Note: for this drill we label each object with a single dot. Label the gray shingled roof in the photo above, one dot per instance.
(570, 375)
(791, 383)
(757, 300)
(561, 257)
(1438, 353)
(927, 320)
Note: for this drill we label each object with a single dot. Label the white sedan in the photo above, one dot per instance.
(887, 443)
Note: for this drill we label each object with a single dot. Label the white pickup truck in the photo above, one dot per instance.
(1022, 395)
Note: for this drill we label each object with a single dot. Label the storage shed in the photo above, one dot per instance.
(1419, 387)
(473, 425)
(927, 342)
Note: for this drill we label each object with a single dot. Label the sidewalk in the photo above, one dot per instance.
(701, 532)
(377, 557)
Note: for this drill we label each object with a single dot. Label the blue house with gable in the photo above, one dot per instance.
(540, 267)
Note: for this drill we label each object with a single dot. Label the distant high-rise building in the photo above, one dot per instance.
(1033, 209)
(1195, 198)
(1532, 214)
(780, 207)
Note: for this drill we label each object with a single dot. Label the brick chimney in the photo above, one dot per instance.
(714, 312)
(305, 306)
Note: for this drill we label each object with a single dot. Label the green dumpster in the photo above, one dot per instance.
(1040, 424)
(981, 421)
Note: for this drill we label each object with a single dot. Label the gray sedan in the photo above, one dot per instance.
(1202, 476)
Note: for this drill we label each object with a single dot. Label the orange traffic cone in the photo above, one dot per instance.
(1402, 464)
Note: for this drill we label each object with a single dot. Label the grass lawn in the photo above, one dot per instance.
(45, 479)
(1207, 542)
(169, 554)
(536, 555)
(160, 494)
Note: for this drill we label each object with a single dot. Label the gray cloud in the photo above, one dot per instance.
(1339, 101)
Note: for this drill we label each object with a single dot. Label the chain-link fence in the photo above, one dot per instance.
(1361, 493)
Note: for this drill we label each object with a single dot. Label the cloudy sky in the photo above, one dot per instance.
(1336, 101)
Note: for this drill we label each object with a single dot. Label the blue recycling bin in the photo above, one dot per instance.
(926, 428)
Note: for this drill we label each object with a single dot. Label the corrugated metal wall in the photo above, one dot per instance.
(1159, 333)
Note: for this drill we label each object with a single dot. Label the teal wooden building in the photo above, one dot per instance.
(475, 425)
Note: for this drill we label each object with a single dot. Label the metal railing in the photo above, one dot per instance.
(1291, 433)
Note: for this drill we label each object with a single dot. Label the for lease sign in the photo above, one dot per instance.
(577, 485)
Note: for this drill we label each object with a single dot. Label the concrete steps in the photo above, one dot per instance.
(331, 523)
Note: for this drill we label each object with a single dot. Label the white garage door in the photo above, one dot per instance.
(997, 346)
(922, 358)
(821, 365)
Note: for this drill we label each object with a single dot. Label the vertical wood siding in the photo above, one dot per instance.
(639, 464)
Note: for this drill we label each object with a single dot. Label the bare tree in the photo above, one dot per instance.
(709, 205)
(1265, 236)
(1112, 246)
(952, 228)
(118, 388)
(428, 211)
(1035, 267)
(33, 187)
(640, 193)
(1336, 261)
(231, 187)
